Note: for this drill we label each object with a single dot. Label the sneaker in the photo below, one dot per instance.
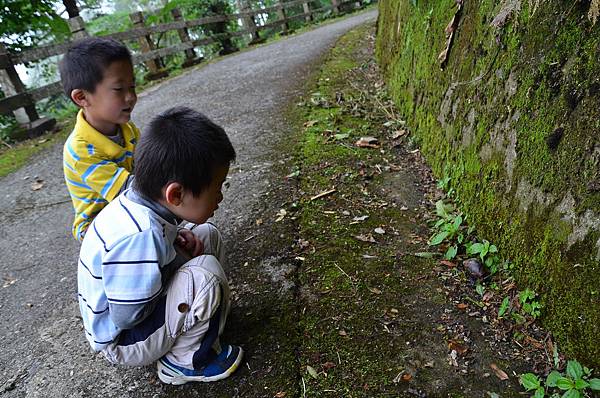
(223, 366)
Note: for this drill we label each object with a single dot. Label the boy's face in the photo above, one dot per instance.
(113, 99)
(198, 209)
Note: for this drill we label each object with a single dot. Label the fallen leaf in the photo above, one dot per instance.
(374, 290)
(280, 394)
(343, 333)
(366, 238)
(447, 263)
(398, 133)
(458, 346)
(452, 358)
(499, 372)
(594, 11)
(462, 306)
(37, 185)
(406, 377)
(8, 281)
(259, 221)
(280, 215)
(310, 123)
(312, 372)
(379, 231)
(328, 365)
(367, 142)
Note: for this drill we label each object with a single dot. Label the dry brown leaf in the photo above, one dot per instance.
(462, 306)
(367, 142)
(398, 133)
(499, 372)
(328, 365)
(37, 185)
(342, 333)
(594, 11)
(509, 8)
(458, 346)
(280, 394)
(366, 238)
(310, 123)
(406, 377)
(374, 290)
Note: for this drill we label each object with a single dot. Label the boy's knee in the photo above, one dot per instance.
(211, 238)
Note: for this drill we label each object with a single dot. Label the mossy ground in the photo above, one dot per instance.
(513, 121)
(374, 319)
(15, 156)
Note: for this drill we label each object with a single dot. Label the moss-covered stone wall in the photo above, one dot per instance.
(514, 120)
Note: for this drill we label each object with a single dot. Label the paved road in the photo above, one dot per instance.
(42, 349)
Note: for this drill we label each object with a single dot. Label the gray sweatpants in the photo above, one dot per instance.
(186, 323)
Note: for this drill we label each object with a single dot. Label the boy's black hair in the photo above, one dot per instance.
(83, 65)
(180, 145)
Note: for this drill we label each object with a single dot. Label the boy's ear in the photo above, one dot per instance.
(79, 97)
(174, 193)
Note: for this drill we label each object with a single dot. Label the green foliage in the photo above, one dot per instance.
(575, 383)
(529, 304)
(107, 24)
(482, 249)
(504, 307)
(26, 23)
(448, 227)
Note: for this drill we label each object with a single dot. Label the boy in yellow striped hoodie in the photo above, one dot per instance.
(97, 74)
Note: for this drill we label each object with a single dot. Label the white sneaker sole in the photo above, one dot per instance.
(168, 376)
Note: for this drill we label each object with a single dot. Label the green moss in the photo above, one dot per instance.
(11, 159)
(535, 78)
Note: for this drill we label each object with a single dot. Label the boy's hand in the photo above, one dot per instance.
(189, 243)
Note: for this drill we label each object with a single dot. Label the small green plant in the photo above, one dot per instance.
(529, 304)
(576, 383)
(480, 289)
(482, 248)
(504, 307)
(448, 228)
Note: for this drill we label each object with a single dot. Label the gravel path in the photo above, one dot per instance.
(43, 352)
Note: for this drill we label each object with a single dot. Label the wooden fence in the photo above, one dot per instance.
(21, 101)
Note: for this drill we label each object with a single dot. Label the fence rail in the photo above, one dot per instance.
(21, 102)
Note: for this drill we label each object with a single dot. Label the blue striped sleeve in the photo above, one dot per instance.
(131, 270)
(110, 182)
(91, 169)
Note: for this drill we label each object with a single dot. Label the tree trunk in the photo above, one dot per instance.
(71, 6)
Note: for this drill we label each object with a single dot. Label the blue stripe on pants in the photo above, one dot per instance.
(206, 353)
(144, 329)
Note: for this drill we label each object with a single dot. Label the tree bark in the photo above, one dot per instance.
(71, 6)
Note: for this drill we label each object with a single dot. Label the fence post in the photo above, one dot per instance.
(27, 117)
(190, 54)
(336, 8)
(308, 16)
(248, 21)
(77, 28)
(147, 45)
(281, 16)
